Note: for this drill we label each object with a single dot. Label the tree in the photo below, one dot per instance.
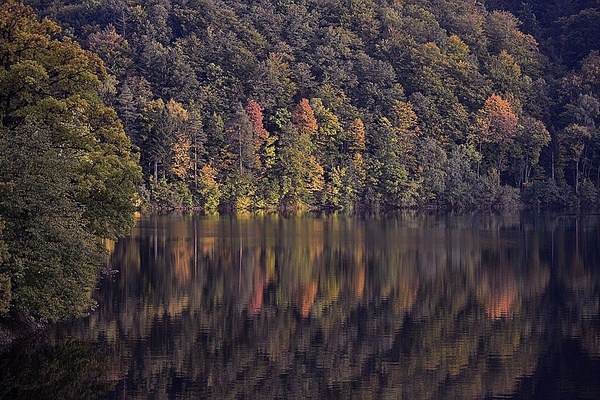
(304, 119)
(497, 125)
(67, 172)
(506, 74)
(461, 178)
(165, 126)
(502, 31)
(354, 140)
(328, 137)
(134, 95)
(182, 162)
(264, 158)
(242, 165)
(572, 143)
(242, 145)
(532, 136)
(113, 49)
(405, 124)
(273, 85)
(53, 261)
(208, 189)
(432, 160)
(580, 34)
(388, 167)
(300, 173)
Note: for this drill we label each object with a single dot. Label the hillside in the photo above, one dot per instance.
(352, 104)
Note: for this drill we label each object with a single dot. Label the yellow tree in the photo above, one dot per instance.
(355, 137)
(181, 149)
(404, 121)
(496, 126)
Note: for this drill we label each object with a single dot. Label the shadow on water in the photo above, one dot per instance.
(40, 368)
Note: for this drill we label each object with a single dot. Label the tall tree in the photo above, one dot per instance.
(531, 137)
(263, 142)
(573, 140)
(301, 174)
(67, 172)
(496, 126)
(393, 159)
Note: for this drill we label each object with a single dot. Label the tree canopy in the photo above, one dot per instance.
(67, 172)
(497, 81)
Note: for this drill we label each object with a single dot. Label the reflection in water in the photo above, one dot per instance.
(404, 306)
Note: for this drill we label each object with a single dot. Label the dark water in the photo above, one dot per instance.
(399, 307)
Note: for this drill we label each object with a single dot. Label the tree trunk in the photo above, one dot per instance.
(577, 177)
(195, 160)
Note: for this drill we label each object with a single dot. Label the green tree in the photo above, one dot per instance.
(532, 137)
(328, 137)
(573, 140)
(506, 75)
(388, 169)
(502, 31)
(165, 126)
(272, 85)
(240, 167)
(53, 260)
(461, 178)
(301, 175)
(431, 172)
(67, 173)
(580, 33)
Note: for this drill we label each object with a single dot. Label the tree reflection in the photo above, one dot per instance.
(68, 370)
(408, 305)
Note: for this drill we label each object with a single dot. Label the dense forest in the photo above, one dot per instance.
(351, 104)
(68, 176)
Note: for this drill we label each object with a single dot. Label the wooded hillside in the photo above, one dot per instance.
(352, 104)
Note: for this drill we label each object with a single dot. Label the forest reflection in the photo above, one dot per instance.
(402, 306)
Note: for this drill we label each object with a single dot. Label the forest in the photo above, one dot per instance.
(108, 106)
(351, 104)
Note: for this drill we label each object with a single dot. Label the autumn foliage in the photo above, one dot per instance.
(425, 104)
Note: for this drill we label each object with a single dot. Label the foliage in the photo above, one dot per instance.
(209, 193)
(53, 257)
(272, 93)
(67, 172)
(169, 195)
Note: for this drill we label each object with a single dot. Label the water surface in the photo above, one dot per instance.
(404, 306)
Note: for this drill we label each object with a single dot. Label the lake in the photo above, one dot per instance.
(402, 306)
